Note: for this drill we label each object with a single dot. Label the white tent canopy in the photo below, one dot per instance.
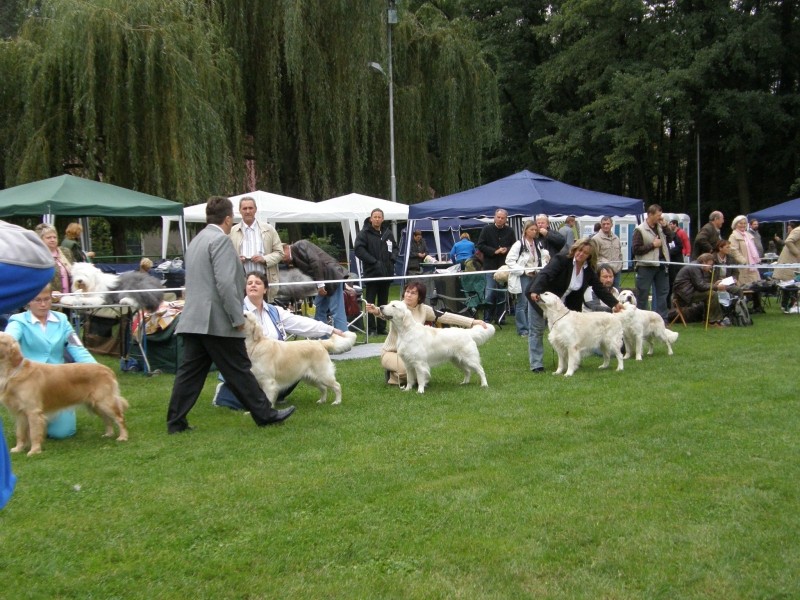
(349, 210)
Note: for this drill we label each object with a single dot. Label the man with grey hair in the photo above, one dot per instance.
(652, 257)
(709, 235)
(494, 242)
(258, 245)
(608, 248)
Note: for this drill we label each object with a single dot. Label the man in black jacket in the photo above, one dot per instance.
(313, 261)
(376, 248)
(494, 242)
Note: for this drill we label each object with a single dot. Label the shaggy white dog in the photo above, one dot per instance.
(97, 288)
(278, 365)
(640, 326)
(421, 347)
(574, 333)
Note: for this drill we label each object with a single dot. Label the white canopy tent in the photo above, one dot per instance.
(350, 211)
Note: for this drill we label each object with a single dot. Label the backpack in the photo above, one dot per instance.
(740, 317)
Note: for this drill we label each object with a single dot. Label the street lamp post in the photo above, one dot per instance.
(391, 19)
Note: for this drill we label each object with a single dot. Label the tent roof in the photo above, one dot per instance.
(75, 196)
(785, 211)
(526, 194)
(269, 207)
(359, 207)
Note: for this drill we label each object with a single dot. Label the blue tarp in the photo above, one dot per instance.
(526, 194)
(786, 211)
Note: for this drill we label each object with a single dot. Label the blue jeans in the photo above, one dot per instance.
(522, 307)
(333, 305)
(658, 279)
(536, 327)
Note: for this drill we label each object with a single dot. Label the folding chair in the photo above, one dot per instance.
(355, 308)
(678, 312)
(501, 299)
(460, 295)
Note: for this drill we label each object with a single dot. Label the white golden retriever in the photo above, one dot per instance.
(278, 365)
(421, 347)
(574, 333)
(640, 326)
(97, 288)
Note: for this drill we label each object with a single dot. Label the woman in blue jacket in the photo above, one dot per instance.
(44, 336)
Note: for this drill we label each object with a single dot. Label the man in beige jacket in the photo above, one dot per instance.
(258, 245)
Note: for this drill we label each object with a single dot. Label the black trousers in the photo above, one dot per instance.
(377, 292)
(230, 356)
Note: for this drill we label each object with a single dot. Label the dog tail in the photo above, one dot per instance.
(481, 335)
(671, 335)
(336, 344)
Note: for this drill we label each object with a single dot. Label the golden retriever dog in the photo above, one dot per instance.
(640, 326)
(573, 334)
(421, 347)
(278, 365)
(30, 390)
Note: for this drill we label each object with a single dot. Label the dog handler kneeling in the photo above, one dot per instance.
(414, 298)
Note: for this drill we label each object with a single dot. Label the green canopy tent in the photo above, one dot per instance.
(67, 195)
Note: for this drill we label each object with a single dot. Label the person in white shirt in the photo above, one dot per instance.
(277, 323)
(258, 245)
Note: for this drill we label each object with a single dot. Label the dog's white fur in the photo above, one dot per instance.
(277, 365)
(574, 333)
(31, 390)
(92, 287)
(640, 326)
(421, 347)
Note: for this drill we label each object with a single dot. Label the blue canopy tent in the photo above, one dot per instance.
(786, 211)
(525, 194)
(439, 240)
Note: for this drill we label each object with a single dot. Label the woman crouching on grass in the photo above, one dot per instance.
(414, 298)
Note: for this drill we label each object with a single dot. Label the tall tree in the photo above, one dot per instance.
(317, 117)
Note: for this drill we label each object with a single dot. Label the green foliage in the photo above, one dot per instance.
(674, 478)
(141, 94)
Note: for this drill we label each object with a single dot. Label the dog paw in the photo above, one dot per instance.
(34, 451)
(336, 402)
(16, 449)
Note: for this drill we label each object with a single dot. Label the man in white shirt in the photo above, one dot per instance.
(258, 245)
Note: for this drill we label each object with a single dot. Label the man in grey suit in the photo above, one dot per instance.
(211, 324)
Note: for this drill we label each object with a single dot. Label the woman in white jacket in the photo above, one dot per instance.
(525, 257)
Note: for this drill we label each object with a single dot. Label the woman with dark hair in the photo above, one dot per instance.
(414, 298)
(276, 323)
(567, 276)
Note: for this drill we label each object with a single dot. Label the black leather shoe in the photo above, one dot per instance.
(280, 416)
(538, 370)
(184, 429)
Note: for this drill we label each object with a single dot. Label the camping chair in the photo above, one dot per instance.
(355, 308)
(678, 311)
(502, 299)
(461, 295)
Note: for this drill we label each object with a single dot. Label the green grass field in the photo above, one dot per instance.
(677, 478)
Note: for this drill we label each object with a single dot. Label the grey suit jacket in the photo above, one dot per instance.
(214, 286)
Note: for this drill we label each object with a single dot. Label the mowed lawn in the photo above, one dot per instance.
(676, 478)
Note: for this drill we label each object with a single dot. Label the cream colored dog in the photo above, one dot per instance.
(30, 390)
(278, 365)
(574, 333)
(642, 326)
(421, 347)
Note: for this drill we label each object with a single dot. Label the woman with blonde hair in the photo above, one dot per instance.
(71, 242)
(62, 279)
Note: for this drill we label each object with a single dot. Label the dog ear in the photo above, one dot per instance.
(14, 354)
